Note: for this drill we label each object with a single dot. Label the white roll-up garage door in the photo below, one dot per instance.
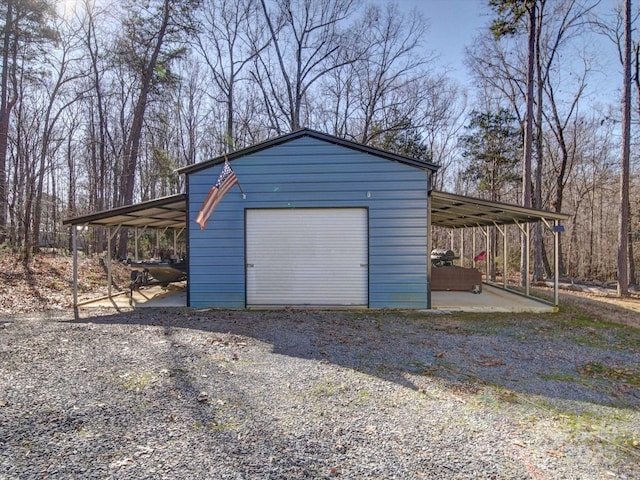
(307, 257)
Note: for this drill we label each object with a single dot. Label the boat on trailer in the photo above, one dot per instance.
(163, 272)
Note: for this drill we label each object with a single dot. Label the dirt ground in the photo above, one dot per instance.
(46, 282)
(617, 310)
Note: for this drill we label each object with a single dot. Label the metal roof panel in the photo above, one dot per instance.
(447, 209)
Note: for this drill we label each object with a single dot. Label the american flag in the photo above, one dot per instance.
(226, 181)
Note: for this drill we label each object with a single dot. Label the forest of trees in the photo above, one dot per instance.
(101, 100)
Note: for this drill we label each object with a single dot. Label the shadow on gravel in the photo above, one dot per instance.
(564, 356)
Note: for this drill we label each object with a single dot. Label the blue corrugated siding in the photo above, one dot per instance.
(307, 172)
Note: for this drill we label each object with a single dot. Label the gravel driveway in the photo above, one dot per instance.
(180, 393)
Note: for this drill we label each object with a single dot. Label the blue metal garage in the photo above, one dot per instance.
(320, 221)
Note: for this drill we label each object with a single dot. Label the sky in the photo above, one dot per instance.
(452, 26)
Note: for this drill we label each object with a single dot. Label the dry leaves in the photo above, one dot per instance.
(46, 282)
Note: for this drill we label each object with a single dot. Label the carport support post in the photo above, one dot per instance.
(503, 232)
(556, 267)
(486, 252)
(527, 280)
(429, 238)
(175, 243)
(109, 261)
(473, 248)
(525, 231)
(488, 256)
(504, 255)
(137, 238)
(74, 243)
(556, 229)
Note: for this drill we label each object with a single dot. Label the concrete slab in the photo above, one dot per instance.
(492, 299)
(174, 295)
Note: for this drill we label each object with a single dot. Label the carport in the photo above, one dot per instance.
(447, 210)
(161, 214)
(457, 212)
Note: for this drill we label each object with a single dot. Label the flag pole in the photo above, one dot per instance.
(244, 195)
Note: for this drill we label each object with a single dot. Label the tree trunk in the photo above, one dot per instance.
(623, 231)
(6, 105)
(528, 134)
(632, 264)
(100, 198)
(539, 257)
(132, 143)
(71, 192)
(39, 184)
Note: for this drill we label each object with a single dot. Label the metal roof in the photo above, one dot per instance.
(306, 132)
(458, 211)
(447, 210)
(165, 212)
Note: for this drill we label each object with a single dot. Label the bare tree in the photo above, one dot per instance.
(506, 68)
(191, 116)
(309, 40)
(60, 94)
(587, 196)
(152, 38)
(620, 32)
(393, 62)
(24, 29)
(146, 46)
(97, 139)
(565, 22)
(337, 111)
(232, 35)
(510, 13)
(441, 125)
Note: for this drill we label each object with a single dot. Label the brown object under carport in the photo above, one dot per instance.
(456, 278)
